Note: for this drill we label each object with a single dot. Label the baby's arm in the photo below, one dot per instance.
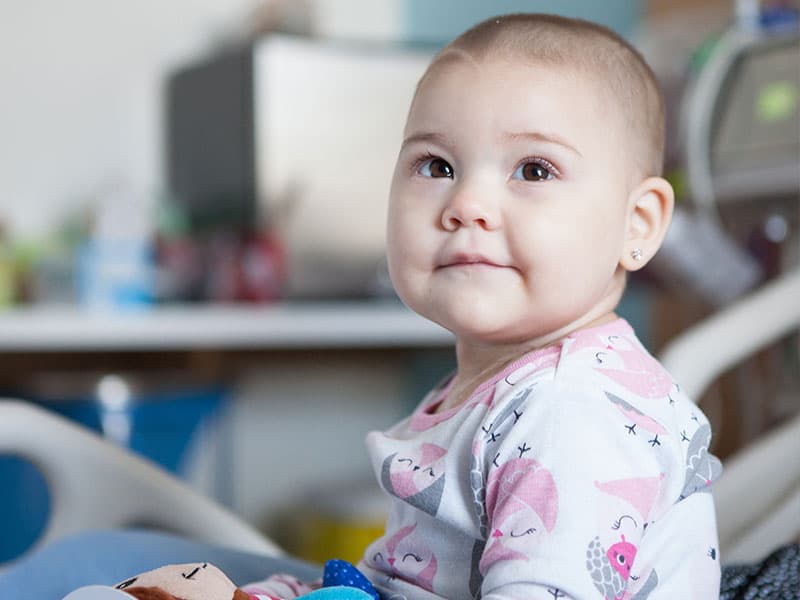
(283, 587)
(568, 497)
(340, 581)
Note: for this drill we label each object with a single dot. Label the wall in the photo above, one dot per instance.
(299, 425)
(444, 19)
(80, 103)
(81, 81)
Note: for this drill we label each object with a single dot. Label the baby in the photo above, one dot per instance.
(560, 460)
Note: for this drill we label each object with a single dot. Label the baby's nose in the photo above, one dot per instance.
(469, 209)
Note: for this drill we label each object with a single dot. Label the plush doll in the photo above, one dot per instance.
(204, 581)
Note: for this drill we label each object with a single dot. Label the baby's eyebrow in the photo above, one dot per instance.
(425, 136)
(549, 138)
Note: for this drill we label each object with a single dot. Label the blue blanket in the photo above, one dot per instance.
(108, 557)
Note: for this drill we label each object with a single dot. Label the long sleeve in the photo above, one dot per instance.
(579, 471)
(574, 481)
(282, 587)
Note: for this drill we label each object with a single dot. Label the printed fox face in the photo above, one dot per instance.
(406, 556)
(521, 501)
(416, 477)
(637, 493)
(623, 360)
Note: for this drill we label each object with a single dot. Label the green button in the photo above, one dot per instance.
(777, 101)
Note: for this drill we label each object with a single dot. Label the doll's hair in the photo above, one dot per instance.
(155, 593)
(581, 47)
(149, 593)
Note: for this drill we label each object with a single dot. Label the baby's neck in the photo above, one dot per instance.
(477, 362)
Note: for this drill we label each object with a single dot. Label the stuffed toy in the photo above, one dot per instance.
(204, 581)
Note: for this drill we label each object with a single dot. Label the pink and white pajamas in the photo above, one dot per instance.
(580, 471)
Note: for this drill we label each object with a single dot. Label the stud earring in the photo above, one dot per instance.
(636, 254)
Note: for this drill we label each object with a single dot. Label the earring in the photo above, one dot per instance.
(636, 254)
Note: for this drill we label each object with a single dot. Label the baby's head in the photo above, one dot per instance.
(528, 182)
(592, 53)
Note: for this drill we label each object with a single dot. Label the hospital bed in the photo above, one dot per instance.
(758, 496)
(95, 484)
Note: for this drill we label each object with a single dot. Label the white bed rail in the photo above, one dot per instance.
(758, 495)
(95, 484)
(705, 351)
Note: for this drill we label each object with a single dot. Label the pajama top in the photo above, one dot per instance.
(580, 471)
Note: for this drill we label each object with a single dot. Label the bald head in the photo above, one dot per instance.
(587, 50)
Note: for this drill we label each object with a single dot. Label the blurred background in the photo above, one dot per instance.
(192, 204)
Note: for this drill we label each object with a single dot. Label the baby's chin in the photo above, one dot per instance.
(503, 330)
(478, 324)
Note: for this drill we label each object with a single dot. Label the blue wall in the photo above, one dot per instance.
(438, 21)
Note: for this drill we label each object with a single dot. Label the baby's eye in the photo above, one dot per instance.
(436, 167)
(534, 170)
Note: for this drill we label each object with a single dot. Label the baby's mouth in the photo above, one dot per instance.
(464, 259)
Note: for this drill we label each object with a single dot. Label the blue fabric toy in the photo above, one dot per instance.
(337, 592)
(342, 581)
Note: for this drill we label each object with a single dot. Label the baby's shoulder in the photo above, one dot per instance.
(611, 388)
(613, 357)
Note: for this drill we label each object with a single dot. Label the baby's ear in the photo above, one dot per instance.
(649, 214)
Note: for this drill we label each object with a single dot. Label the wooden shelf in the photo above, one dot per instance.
(312, 325)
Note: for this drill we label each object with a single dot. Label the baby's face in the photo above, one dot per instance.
(507, 211)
